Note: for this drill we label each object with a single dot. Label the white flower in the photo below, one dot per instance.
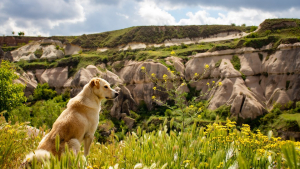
(164, 166)
(116, 166)
(138, 165)
(153, 166)
(175, 156)
(134, 134)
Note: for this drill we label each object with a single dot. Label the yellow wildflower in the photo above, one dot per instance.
(206, 66)
(28, 159)
(199, 116)
(153, 97)
(213, 82)
(182, 84)
(196, 74)
(143, 68)
(172, 71)
(207, 84)
(186, 161)
(220, 84)
(200, 109)
(153, 74)
(165, 76)
(191, 106)
(89, 167)
(173, 53)
(154, 88)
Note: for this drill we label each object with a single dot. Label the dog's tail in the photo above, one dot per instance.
(40, 155)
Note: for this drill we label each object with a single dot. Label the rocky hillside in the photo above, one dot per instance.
(256, 70)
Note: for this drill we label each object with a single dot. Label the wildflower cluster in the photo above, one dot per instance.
(170, 84)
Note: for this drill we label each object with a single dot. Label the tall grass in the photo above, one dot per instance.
(213, 146)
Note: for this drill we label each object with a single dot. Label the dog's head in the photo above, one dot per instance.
(102, 89)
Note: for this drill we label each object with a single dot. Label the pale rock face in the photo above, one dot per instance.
(140, 84)
(283, 61)
(51, 53)
(25, 52)
(245, 103)
(55, 77)
(71, 49)
(111, 78)
(177, 63)
(27, 80)
(132, 73)
(84, 75)
(250, 64)
(47, 45)
(38, 74)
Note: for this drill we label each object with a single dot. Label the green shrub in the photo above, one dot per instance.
(38, 53)
(236, 62)
(260, 56)
(287, 84)
(253, 35)
(42, 113)
(243, 76)
(11, 94)
(183, 46)
(43, 92)
(218, 63)
(15, 143)
(223, 111)
(253, 28)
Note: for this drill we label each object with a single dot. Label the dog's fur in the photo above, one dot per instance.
(78, 122)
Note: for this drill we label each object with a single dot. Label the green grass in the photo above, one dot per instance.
(236, 62)
(291, 117)
(214, 146)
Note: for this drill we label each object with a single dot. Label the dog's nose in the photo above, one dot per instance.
(116, 94)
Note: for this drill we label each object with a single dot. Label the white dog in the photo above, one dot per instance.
(78, 122)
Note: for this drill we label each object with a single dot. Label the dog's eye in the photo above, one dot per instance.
(105, 86)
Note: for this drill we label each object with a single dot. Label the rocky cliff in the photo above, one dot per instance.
(263, 79)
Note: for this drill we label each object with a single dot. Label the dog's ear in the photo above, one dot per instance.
(95, 82)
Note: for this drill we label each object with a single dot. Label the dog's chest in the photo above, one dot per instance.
(94, 120)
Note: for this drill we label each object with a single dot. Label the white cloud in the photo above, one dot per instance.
(247, 16)
(151, 14)
(123, 15)
(37, 18)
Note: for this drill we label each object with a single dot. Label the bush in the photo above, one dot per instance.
(15, 143)
(223, 111)
(38, 53)
(253, 35)
(253, 28)
(43, 92)
(11, 94)
(42, 113)
(218, 63)
(260, 56)
(236, 62)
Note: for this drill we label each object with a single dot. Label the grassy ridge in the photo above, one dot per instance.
(148, 34)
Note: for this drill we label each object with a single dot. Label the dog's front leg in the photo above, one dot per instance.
(88, 138)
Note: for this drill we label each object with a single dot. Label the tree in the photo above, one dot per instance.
(13, 32)
(21, 33)
(11, 94)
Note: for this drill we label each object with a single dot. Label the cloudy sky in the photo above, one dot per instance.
(76, 17)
